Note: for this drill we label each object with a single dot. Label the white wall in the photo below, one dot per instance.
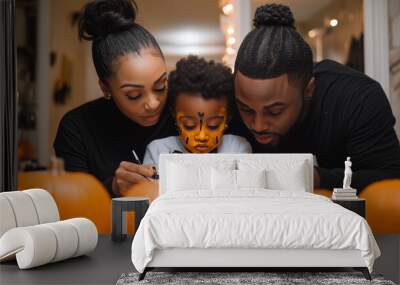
(183, 27)
(91, 87)
(336, 43)
(63, 40)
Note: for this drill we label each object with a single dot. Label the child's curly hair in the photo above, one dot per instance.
(196, 75)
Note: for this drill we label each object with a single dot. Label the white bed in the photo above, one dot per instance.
(201, 219)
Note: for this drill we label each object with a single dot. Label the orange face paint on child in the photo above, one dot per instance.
(201, 123)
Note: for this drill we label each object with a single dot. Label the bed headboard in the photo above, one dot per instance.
(212, 159)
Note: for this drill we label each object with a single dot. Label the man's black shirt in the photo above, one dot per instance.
(350, 115)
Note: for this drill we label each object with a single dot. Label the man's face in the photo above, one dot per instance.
(268, 107)
(201, 122)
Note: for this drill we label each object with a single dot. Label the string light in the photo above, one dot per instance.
(231, 41)
(230, 50)
(230, 30)
(227, 9)
(333, 22)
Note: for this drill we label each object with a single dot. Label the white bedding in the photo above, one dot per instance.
(252, 218)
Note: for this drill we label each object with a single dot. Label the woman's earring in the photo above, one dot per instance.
(107, 96)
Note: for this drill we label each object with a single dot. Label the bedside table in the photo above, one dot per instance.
(356, 205)
(122, 205)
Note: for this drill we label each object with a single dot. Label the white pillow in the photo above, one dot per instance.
(223, 179)
(281, 175)
(236, 179)
(251, 178)
(183, 177)
(188, 175)
(292, 179)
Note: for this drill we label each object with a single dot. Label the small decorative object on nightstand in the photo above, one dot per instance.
(345, 193)
(347, 196)
(120, 206)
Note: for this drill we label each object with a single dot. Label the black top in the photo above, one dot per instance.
(349, 116)
(96, 137)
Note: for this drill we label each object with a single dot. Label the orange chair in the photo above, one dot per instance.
(76, 194)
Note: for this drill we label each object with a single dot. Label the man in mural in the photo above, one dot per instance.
(288, 105)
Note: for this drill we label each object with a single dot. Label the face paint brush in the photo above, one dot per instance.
(140, 163)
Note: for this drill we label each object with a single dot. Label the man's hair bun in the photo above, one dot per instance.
(102, 17)
(273, 15)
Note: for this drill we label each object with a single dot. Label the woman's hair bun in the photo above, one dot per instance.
(102, 17)
(273, 15)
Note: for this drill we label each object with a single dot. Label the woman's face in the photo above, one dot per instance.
(139, 86)
(201, 122)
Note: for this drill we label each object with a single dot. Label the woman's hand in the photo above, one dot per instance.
(128, 174)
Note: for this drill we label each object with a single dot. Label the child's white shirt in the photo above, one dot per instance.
(228, 144)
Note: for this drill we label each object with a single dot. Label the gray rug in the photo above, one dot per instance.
(230, 278)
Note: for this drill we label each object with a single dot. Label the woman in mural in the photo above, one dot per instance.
(107, 137)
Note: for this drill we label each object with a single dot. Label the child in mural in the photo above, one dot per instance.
(199, 94)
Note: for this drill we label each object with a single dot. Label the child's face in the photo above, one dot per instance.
(201, 123)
